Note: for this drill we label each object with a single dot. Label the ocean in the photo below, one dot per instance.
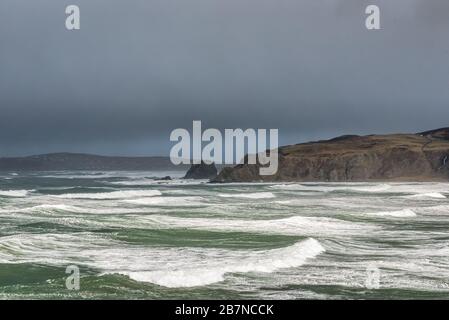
(133, 236)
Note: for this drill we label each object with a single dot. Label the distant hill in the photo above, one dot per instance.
(79, 161)
(395, 157)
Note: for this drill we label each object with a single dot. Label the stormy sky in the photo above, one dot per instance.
(138, 69)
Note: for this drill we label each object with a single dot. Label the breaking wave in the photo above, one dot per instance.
(435, 195)
(266, 261)
(331, 188)
(174, 267)
(112, 195)
(398, 214)
(435, 210)
(256, 195)
(14, 193)
(54, 208)
(137, 182)
(167, 201)
(296, 225)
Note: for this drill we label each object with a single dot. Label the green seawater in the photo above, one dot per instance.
(135, 237)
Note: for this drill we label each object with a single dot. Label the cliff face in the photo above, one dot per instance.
(408, 157)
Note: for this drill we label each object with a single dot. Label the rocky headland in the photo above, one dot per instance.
(394, 157)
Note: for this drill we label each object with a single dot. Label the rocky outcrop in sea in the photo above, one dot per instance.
(202, 171)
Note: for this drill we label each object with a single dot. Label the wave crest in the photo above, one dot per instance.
(399, 213)
(167, 201)
(266, 261)
(112, 195)
(15, 193)
(256, 195)
(435, 195)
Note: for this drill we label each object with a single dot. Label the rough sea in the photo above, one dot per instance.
(133, 236)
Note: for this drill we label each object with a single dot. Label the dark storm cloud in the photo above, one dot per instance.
(138, 69)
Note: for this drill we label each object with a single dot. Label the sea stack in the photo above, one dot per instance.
(202, 171)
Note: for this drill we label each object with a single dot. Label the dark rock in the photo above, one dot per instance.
(202, 171)
(163, 178)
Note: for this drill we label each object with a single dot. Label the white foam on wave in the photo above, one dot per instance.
(137, 182)
(435, 195)
(47, 248)
(405, 213)
(54, 208)
(112, 195)
(295, 225)
(357, 187)
(284, 202)
(435, 210)
(256, 195)
(376, 188)
(266, 261)
(420, 188)
(169, 267)
(167, 201)
(292, 186)
(68, 175)
(51, 207)
(14, 193)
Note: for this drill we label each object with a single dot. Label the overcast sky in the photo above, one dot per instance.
(138, 69)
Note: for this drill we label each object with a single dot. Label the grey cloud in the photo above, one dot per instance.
(138, 69)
